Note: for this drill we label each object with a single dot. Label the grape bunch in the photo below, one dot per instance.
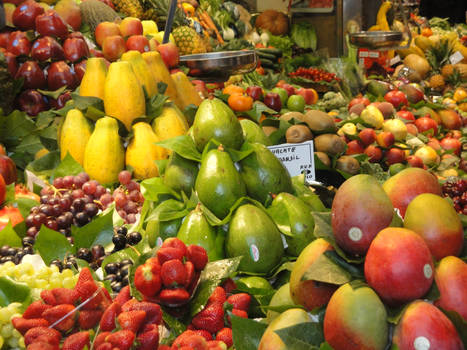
(457, 191)
(10, 338)
(128, 198)
(117, 274)
(16, 254)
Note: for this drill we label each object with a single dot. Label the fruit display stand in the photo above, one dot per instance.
(145, 206)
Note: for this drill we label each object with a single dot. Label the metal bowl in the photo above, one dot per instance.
(376, 40)
(223, 63)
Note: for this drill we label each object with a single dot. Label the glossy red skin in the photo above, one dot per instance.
(374, 153)
(367, 136)
(424, 124)
(357, 100)
(8, 214)
(50, 23)
(24, 16)
(75, 49)
(407, 115)
(31, 102)
(4, 38)
(399, 266)
(18, 44)
(451, 143)
(255, 92)
(70, 13)
(415, 162)
(273, 101)
(412, 129)
(105, 29)
(60, 74)
(396, 98)
(137, 42)
(113, 47)
(395, 155)
(47, 48)
(32, 74)
(354, 147)
(385, 139)
(289, 88)
(307, 94)
(8, 169)
(131, 26)
(425, 323)
(96, 53)
(434, 143)
(60, 101)
(169, 53)
(80, 69)
(11, 63)
(2, 190)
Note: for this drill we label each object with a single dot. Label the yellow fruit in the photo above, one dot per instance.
(104, 154)
(186, 92)
(447, 70)
(141, 69)
(40, 153)
(188, 40)
(460, 94)
(124, 96)
(171, 123)
(74, 135)
(160, 35)
(397, 128)
(347, 129)
(437, 82)
(93, 82)
(149, 27)
(142, 152)
(372, 115)
(160, 72)
(422, 42)
(428, 155)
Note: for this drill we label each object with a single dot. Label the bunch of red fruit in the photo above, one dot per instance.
(53, 59)
(211, 326)
(457, 191)
(171, 277)
(315, 74)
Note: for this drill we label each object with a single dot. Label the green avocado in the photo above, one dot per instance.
(253, 132)
(156, 229)
(180, 174)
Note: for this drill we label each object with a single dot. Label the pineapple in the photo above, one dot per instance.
(150, 14)
(188, 41)
(130, 8)
(161, 10)
(447, 70)
(437, 82)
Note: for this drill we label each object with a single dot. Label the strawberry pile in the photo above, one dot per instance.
(171, 277)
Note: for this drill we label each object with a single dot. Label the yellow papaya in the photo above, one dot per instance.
(142, 152)
(93, 81)
(422, 42)
(124, 96)
(171, 123)
(160, 72)
(186, 91)
(141, 69)
(104, 154)
(74, 135)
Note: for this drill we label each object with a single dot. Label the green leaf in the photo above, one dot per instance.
(54, 94)
(301, 336)
(98, 231)
(24, 205)
(29, 144)
(257, 110)
(155, 105)
(168, 210)
(176, 327)
(213, 274)
(155, 190)
(246, 332)
(189, 112)
(45, 165)
(433, 294)
(459, 322)
(52, 245)
(306, 194)
(243, 152)
(280, 214)
(304, 35)
(182, 145)
(68, 166)
(9, 237)
(83, 102)
(326, 271)
(395, 314)
(44, 119)
(12, 291)
(355, 272)
(326, 346)
(14, 127)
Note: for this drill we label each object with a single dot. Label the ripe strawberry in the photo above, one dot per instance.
(65, 296)
(89, 318)
(123, 296)
(153, 311)
(173, 273)
(85, 275)
(86, 293)
(218, 296)
(100, 339)
(211, 318)
(240, 313)
(189, 340)
(129, 305)
(240, 301)
(35, 310)
(163, 347)
(204, 333)
(225, 335)
(22, 325)
(198, 256)
(57, 312)
(104, 346)
(169, 253)
(48, 297)
(174, 242)
(43, 346)
(190, 273)
(107, 322)
(77, 341)
(177, 296)
(122, 339)
(149, 338)
(131, 320)
(148, 279)
(44, 334)
(216, 345)
(229, 285)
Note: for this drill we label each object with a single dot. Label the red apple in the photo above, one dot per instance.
(70, 12)
(289, 88)
(131, 26)
(308, 94)
(75, 49)
(374, 153)
(4, 38)
(32, 102)
(32, 74)
(153, 44)
(60, 102)
(433, 143)
(426, 124)
(412, 129)
(7, 169)
(169, 53)
(47, 48)
(137, 42)
(415, 162)
(105, 29)
(113, 47)
(60, 74)
(24, 17)
(273, 101)
(11, 63)
(96, 53)
(255, 92)
(80, 69)
(385, 139)
(405, 115)
(175, 70)
(358, 100)
(450, 143)
(367, 136)
(50, 23)
(19, 44)
(354, 147)
(395, 155)
(396, 98)
(9, 10)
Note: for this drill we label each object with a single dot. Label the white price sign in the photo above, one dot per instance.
(456, 57)
(298, 158)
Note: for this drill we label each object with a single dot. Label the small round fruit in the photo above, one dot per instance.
(296, 103)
